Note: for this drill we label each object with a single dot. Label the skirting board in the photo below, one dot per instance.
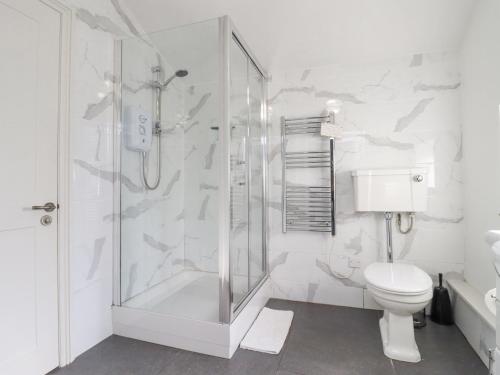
(472, 318)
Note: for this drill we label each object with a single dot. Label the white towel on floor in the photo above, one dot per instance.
(269, 331)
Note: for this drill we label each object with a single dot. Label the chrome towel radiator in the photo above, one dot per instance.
(307, 207)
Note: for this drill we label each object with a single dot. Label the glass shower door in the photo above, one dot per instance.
(256, 233)
(247, 245)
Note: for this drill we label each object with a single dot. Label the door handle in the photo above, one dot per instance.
(48, 207)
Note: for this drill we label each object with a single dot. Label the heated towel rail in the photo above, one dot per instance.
(307, 207)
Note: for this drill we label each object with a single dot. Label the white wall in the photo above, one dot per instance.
(96, 24)
(480, 65)
(290, 34)
(408, 113)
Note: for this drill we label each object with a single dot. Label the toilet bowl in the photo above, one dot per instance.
(402, 290)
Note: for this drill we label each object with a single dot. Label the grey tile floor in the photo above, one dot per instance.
(323, 340)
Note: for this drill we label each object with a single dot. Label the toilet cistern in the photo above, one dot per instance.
(388, 191)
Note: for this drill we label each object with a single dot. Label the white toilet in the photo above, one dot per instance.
(401, 289)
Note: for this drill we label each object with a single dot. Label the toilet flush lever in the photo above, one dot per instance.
(418, 178)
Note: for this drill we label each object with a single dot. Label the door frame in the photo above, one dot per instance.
(63, 181)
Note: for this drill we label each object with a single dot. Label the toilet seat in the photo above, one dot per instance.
(398, 279)
(400, 297)
(402, 302)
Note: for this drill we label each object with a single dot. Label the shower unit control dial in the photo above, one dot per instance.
(138, 129)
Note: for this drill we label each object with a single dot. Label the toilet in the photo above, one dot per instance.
(402, 290)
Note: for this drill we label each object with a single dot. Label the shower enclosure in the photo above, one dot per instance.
(190, 207)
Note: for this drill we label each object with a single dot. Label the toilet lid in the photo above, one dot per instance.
(400, 278)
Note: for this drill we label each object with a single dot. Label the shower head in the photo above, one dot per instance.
(180, 73)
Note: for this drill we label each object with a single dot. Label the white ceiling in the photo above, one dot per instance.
(305, 33)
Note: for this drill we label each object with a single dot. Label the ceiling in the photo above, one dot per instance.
(289, 34)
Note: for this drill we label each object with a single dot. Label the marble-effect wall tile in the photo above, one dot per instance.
(96, 25)
(152, 232)
(402, 113)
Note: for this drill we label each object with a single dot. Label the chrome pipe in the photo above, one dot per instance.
(283, 175)
(305, 123)
(302, 157)
(309, 221)
(307, 152)
(308, 191)
(411, 219)
(307, 118)
(308, 161)
(318, 163)
(388, 233)
(310, 229)
(333, 189)
(308, 131)
(302, 128)
(300, 215)
(297, 224)
(306, 166)
(308, 204)
(308, 197)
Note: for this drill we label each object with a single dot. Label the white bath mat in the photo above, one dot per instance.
(269, 331)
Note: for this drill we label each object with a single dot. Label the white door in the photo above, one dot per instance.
(29, 106)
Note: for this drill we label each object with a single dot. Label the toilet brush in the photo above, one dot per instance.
(441, 306)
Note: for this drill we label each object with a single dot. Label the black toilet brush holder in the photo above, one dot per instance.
(441, 312)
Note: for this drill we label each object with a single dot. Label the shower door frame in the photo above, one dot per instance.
(117, 153)
(227, 33)
(227, 314)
